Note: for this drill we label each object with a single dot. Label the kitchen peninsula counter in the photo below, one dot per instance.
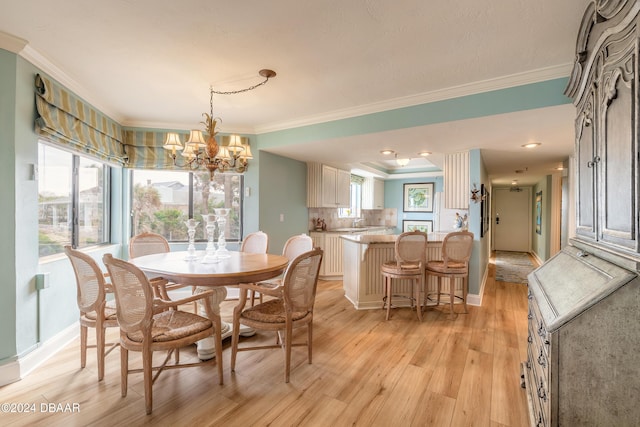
(363, 256)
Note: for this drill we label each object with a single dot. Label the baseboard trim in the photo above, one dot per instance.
(21, 366)
(473, 299)
(537, 258)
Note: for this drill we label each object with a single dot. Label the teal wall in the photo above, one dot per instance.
(394, 198)
(535, 95)
(8, 69)
(30, 317)
(481, 246)
(283, 190)
(541, 243)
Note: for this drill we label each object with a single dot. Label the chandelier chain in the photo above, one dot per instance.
(233, 92)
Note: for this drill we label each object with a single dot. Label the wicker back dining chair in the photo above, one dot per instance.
(456, 252)
(95, 311)
(410, 254)
(291, 308)
(146, 325)
(296, 246)
(255, 243)
(148, 244)
(293, 247)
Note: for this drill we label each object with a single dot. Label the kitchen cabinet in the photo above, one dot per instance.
(333, 246)
(328, 187)
(373, 193)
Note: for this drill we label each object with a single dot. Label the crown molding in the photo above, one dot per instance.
(56, 73)
(21, 47)
(504, 82)
(182, 126)
(12, 43)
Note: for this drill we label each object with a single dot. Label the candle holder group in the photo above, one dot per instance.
(211, 255)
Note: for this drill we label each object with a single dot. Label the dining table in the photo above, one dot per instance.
(205, 274)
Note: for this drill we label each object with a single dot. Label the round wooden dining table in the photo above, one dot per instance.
(239, 267)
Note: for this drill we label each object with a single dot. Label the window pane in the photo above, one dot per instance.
(91, 203)
(355, 209)
(223, 192)
(160, 203)
(54, 199)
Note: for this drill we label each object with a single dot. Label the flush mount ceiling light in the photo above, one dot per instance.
(387, 152)
(531, 145)
(424, 153)
(402, 161)
(200, 151)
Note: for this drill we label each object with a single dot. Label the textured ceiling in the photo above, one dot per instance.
(150, 62)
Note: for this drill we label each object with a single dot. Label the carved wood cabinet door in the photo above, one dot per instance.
(607, 146)
(586, 192)
(619, 148)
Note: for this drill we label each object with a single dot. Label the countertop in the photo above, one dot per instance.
(368, 239)
(351, 230)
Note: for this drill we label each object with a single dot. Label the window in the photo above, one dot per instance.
(355, 210)
(163, 200)
(72, 207)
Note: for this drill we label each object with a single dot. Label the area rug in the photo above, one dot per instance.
(513, 267)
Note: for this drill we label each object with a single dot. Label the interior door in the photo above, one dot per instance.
(511, 215)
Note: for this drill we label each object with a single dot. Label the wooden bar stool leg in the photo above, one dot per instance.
(465, 291)
(452, 295)
(388, 288)
(417, 298)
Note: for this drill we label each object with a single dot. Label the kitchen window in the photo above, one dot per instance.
(163, 200)
(72, 200)
(355, 208)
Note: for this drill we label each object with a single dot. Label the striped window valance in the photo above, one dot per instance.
(357, 179)
(66, 119)
(144, 149)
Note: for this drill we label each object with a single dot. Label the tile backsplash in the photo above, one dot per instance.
(379, 217)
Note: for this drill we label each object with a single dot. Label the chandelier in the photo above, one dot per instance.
(199, 150)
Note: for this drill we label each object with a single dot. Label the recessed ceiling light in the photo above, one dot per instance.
(424, 153)
(387, 152)
(514, 182)
(531, 145)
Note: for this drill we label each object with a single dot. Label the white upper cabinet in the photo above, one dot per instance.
(327, 187)
(373, 193)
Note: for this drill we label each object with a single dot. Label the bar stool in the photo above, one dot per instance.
(410, 254)
(456, 252)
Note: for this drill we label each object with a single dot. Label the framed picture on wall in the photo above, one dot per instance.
(485, 211)
(417, 225)
(418, 197)
(539, 212)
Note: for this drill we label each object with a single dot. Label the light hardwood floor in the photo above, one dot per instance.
(366, 371)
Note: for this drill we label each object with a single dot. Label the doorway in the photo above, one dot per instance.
(511, 213)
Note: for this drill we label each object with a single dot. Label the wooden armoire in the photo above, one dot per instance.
(583, 364)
